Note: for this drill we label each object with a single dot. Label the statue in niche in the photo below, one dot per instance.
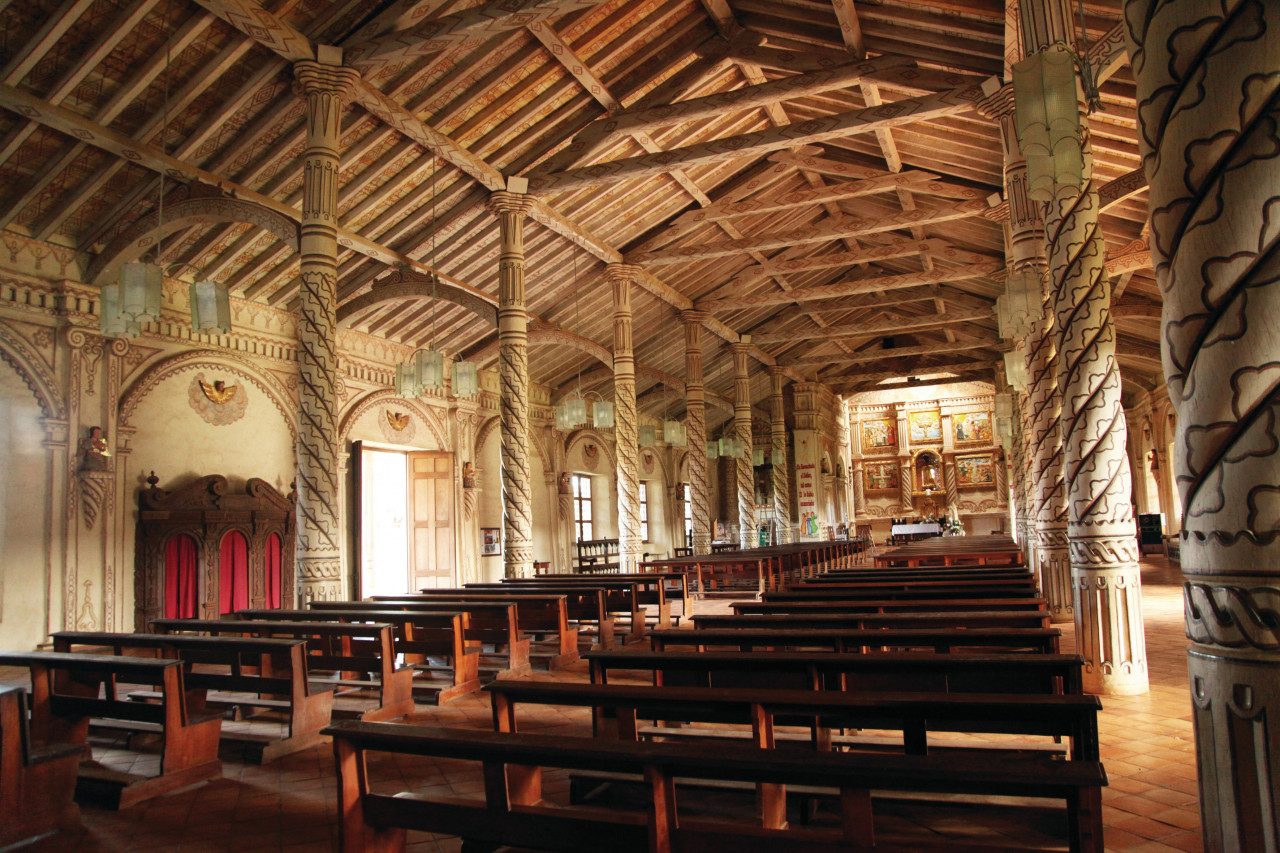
(94, 451)
(468, 475)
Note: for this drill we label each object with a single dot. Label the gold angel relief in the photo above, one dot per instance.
(218, 391)
(397, 420)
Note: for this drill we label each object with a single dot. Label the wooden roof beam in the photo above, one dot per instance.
(866, 284)
(879, 328)
(874, 356)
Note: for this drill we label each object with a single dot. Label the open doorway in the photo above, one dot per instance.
(405, 528)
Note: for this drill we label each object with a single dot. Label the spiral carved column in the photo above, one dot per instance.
(696, 427)
(906, 486)
(742, 429)
(778, 437)
(949, 481)
(326, 89)
(1048, 508)
(625, 422)
(513, 356)
(1208, 113)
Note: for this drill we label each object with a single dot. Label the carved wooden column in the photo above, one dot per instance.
(513, 355)
(1047, 509)
(626, 428)
(1207, 119)
(742, 430)
(696, 427)
(326, 88)
(778, 436)
(1100, 530)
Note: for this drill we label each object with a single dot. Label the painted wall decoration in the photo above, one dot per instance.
(881, 476)
(971, 426)
(218, 403)
(879, 433)
(925, 426)
(976, 470)
(396, 426)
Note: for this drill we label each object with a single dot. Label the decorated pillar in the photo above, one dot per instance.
(625, 422)
(513, 367)
(696, 427)
(326, 87)
(1048, 509)
(1207, 118)
(1107, 587)
(778, 436)
(742, 431)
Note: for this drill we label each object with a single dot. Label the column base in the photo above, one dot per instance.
(320, 579)
(1109, 633)
(1053, 559)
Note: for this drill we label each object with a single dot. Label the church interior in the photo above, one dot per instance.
(465, 344)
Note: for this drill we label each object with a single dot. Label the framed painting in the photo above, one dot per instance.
(882, 432)
(880, 476)
(976, 470)
(490, 541)
(971, 427)
(925, 426)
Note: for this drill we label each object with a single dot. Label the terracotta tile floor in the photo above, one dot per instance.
(1148, 748)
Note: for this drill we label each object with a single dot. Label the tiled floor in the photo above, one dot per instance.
(1151, 804)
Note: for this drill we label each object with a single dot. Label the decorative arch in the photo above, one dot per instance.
(482, 435)
(35, 373)
(543, 334)
(411, 285)
(580, 435)
(189, 362)
(133, 242)
(375, 398)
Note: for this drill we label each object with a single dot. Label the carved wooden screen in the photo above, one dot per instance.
(207, 510)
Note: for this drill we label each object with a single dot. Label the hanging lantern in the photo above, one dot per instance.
(1015, 370)
(111, 322)
(713, 449)
(428, 366)
(406, 385)
(141, 290)
(576, 411)
(1021, 307)
(602, 415)
(210, 307)
(466, 380)
(673, 433)
(648, 436)
(562, 416)
(1004, 420)
(1047, 113)
(757, 457)
(731, 447)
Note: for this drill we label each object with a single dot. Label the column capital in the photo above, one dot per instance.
(504, 201)
(316, 78)
(695, 316)
(777, 371)
(742, 346)
(622, 272)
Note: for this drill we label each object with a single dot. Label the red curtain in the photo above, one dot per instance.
(272, 567)
(180, 578)
(234, 573)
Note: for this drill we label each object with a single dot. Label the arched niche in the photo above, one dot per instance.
(207, 510)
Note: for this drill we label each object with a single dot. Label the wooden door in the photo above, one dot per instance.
(431, 512)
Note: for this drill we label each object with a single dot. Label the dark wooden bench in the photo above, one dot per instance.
(940, 640)
(247, 675)
(948, 619)
(835, 592)
(68, 690)
(596, 555)
(921, 605)
(653, 589)
(491, 625)
(618, 708)
(591, 605)
(358, 658)
(37, 778)
(1026, 582)
(896, 575)
(512, 811)
(897, 671)
(416, 637)
(544, 618)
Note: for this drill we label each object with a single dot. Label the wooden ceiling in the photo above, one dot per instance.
(837, 207)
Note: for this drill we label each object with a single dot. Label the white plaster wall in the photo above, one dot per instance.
(24, 494)
(489, 505)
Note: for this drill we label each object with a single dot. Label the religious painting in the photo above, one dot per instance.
(879, 433)
(975, 470)
(925, 426)
(490, 541)
(881, 476)
(971, 426)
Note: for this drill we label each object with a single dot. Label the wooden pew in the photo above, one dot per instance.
(945, 619)
(489, 623)
(899, 671)
(350, 652)
(891, 575)
(69, 689)
(540, 615)
(414, 638)
(511, 810)
(618, 708)
(833, 592)
(674, 587)
(263, 674)
(1027, 583)
(923, 605)
(590, 604)
(849, 640)
(37, 779)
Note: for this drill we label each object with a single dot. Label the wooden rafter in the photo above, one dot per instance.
(877, 328)
(869, 284)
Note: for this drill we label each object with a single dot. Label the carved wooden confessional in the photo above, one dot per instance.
(204, 549)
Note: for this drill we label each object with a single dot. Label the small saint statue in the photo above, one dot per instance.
(95, 452)
(468, 475)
